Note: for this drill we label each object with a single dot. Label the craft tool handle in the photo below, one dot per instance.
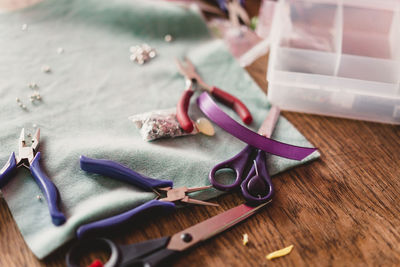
(7, 172)
(182, 111)
(122, 173)
(75, 254)
(49, 190)
(237, 164)
(90, 228)
(257, 188)
(234, 103)
(147, 253)
(157, 258)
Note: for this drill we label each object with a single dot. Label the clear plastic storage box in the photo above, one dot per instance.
(337, 57)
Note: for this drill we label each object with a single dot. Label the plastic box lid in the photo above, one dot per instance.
(337, 57)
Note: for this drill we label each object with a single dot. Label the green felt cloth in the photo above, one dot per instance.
(91, 91)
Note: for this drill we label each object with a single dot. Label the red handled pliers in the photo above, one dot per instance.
(193, 83)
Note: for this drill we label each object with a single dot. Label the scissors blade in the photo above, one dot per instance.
(211, 227)
(268, 126)
(198, 202)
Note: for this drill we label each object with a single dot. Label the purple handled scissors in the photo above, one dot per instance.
(257, 186)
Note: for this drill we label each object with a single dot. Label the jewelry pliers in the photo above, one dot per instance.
(166, 195)
(29, 157)
(193, 83)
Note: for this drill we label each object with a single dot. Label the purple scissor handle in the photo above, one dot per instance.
(257, 186)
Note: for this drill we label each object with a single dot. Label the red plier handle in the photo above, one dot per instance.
(182, 111)
(231, 101)
(222, 96)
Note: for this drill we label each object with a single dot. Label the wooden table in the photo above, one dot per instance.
(341, 210)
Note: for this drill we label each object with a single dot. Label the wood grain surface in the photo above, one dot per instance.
(341, 210)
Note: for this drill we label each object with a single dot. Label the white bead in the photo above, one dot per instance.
(46, 68)
(133, 57)
(24, 27)
(142, 53)
(168, 38)
(152, 54)
(146, 47)
(133, 49)
(32, 85)
(60, 50)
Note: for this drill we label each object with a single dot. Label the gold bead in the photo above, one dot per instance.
(205, 127)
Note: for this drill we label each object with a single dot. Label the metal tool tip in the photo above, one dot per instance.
(37, 134)
(35, 140)
(22, 137)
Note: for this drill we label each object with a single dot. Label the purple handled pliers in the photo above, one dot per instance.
(28, 157)
(166, 195)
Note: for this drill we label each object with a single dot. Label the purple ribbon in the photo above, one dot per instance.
(214, 113)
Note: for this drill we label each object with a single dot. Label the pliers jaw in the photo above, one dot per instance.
(179, 194)
(193, 79)
(26, 153)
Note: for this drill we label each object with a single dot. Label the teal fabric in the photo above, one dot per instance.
(91, 91)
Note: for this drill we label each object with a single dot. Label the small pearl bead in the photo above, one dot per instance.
(46, 68)
(33, 85)
(152, 54)
(168, 38)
